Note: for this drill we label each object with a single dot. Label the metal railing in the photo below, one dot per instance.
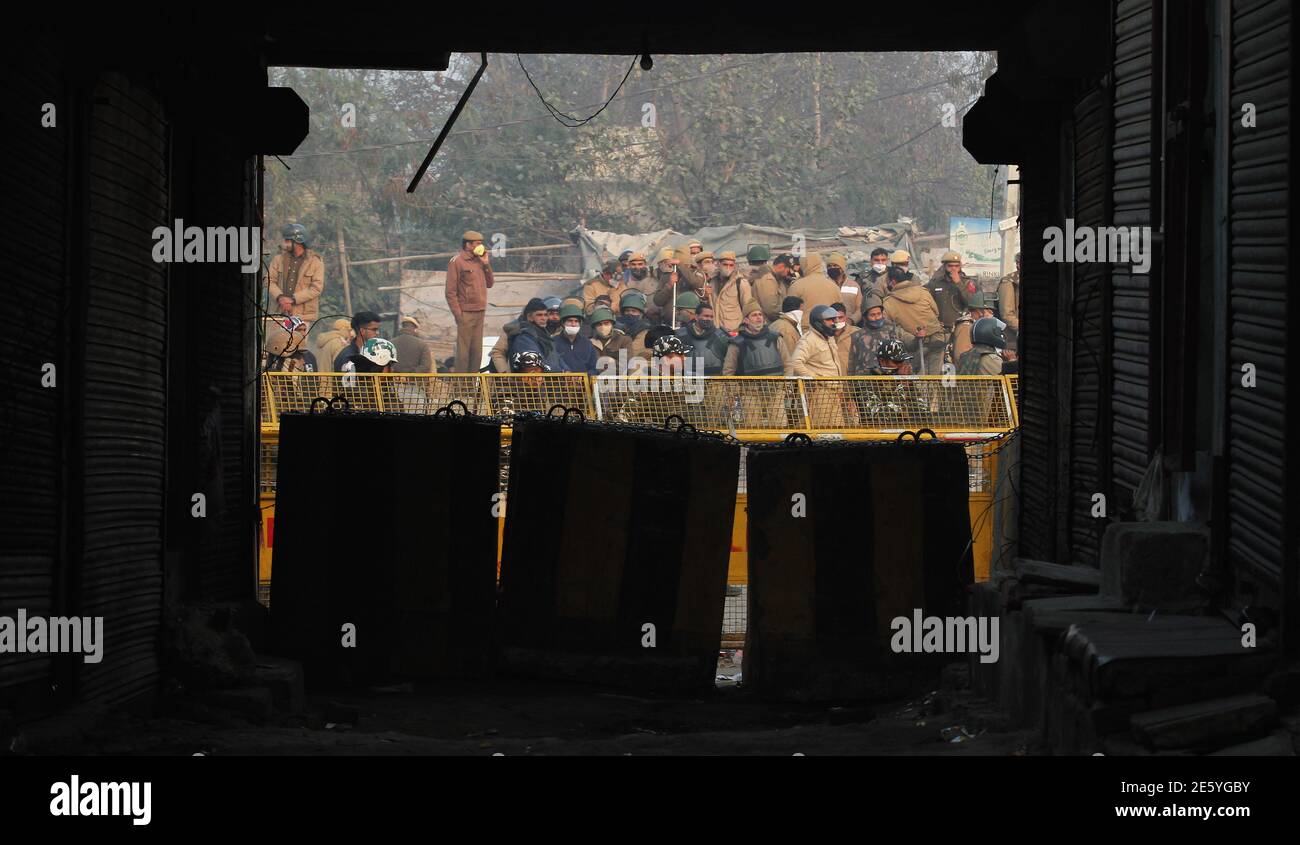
(751, 407)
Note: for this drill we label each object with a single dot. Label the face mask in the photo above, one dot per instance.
(834, 273)
(879, 268)
(639, 273)
(704, 325)
(571, 330)
(840, 324)
(876, 324)
(551, 325)
(604, 331)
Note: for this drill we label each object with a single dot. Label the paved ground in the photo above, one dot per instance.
(553, 719)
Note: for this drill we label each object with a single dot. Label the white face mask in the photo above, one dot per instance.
(840, 324)
(571, 330)
(879, 268)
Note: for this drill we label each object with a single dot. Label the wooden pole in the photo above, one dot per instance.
(343, 264)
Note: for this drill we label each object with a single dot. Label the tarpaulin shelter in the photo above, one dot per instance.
(855, 242)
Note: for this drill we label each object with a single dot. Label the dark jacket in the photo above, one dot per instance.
(576, 354)
(533, 339)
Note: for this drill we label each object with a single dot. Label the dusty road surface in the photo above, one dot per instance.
(537, 718)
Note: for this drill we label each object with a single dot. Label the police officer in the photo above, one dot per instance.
(533, 336)
(981, 305)
(949, 287)
(705, 339)
(299, 272)
(985, 356)
(771, 288)
(1009, 297)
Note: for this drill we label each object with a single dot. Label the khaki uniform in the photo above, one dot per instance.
(790, 334)
(844, 343)
(814, 289)
(818, 357)
(413, 355)
(660, 304)
(302, 278)
(599, 287)
(770, 293)
(1009, 299)
(329, 344)
(909, 305)
(961, 342)
(611, 346)
(950, 297)
(980, 360)
(729, 296)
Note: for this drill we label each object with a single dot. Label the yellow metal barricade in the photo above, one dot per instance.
(973, 410)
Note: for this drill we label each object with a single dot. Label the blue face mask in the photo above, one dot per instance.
(875, 324)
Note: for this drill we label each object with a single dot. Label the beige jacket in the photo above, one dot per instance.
(306, 290)
(815, 356)
(728, 300)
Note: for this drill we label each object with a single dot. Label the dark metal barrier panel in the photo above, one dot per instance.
(614, 561)
(385, 522)
(842, 540)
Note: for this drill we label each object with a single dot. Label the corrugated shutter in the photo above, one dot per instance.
(1257, 290)
(124, 408)
(1132, 193)
(1089, 331)
(33, 216)
(221, 333)
(1039, 351)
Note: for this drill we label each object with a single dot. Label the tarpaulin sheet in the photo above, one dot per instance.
(842, 540)
(610, 529)
(855, 242)
(385, 522)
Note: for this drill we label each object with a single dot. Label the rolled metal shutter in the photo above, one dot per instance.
(1089, 428)
(34, 218)
(1039, 344)
(124, 408)
(1133, 189)
(1257, 296)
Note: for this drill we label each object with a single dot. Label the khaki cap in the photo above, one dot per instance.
(665, 254)
(899, 256)
(409, 319)
(751, 305)
(948, 257)
(700, 256)
(728, 255)
(471, 235)
(636, 256)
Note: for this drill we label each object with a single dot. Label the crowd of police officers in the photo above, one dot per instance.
(691, 313)
(697, 312)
